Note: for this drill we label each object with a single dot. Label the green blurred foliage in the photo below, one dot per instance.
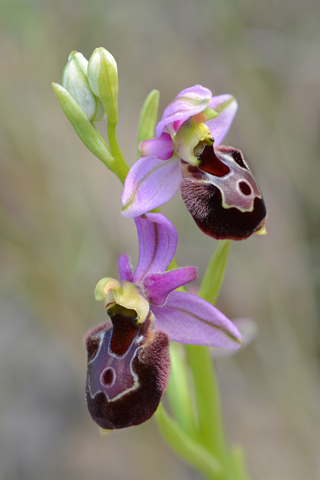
(61, 228)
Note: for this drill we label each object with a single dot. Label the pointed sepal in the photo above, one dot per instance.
(148, 117)
(87, 132)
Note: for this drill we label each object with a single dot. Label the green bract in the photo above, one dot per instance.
(148, 117)
(82, 125)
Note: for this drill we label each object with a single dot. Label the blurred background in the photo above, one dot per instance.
(61, 228)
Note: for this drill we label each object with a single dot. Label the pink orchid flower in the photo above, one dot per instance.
(215, 181)
(128, 356)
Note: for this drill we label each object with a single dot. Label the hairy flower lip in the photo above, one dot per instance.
(127, 373)
(216, 221)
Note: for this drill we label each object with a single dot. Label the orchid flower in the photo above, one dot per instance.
(128, 356)
(216, 183)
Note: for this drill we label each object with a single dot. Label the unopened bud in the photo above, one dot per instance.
(103, 81)
(75, 81)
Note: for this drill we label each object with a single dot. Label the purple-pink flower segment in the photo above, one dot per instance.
(216, 183)
(128, 357)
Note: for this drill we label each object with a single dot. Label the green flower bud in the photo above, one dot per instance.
(75, 81)
(103, 81)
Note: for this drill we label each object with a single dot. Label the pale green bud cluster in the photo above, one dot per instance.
(89, 93)
(94, 84)
(75, 81)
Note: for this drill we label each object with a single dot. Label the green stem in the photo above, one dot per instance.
(119, 166)
(237, 463)
(201, 364)
(214, 274)
(179, 392)
(208, 400)
(184, 446)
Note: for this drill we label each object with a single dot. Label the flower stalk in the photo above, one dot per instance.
(208, 401)
(179, 392)
(202, 422)
(184, 446)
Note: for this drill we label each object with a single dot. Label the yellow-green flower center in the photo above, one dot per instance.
(188, 136)
(125, 294)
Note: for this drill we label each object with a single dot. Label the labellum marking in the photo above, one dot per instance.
(108, 377)
(210, 163)
(230, 175)
(245, 187)
(118, 348)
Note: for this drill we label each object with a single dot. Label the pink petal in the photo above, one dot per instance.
(157, 244)
(187, 103)
(150, 183)
(125, 268)
(227, 106)
(159, 285)
(187, 318)
(161, 147)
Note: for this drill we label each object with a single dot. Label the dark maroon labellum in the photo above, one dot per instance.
(128, 370)
(222, 195)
